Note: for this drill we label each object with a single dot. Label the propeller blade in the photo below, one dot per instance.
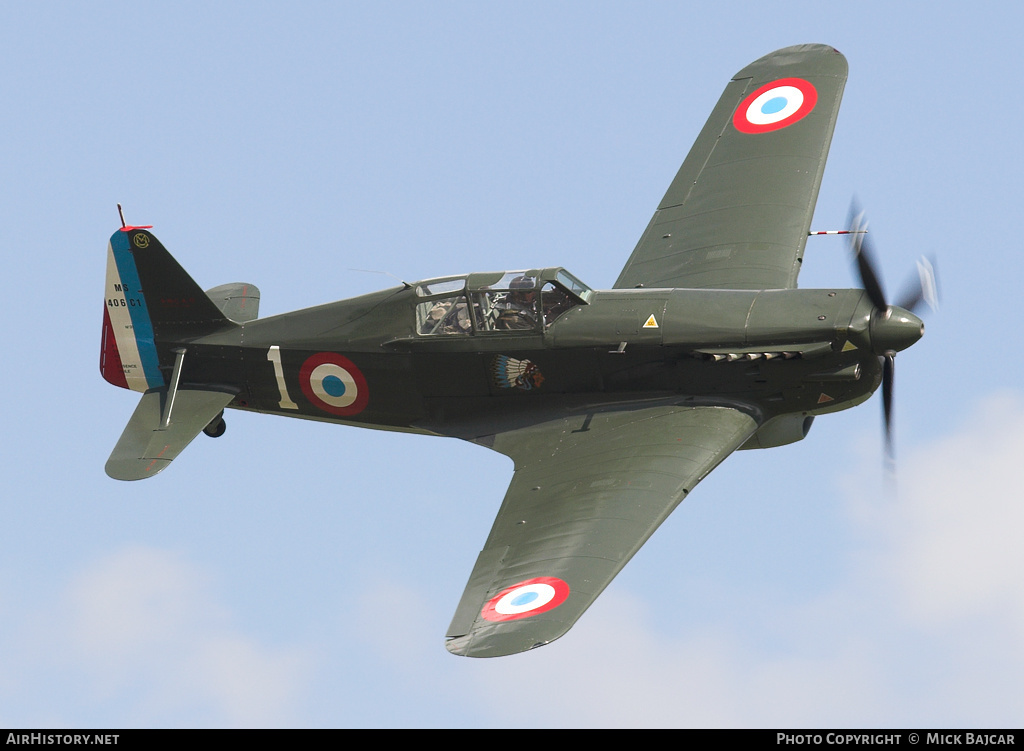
(866, 266)
(925, 288)
(888, 378)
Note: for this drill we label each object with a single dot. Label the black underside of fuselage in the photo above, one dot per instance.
(472, 393)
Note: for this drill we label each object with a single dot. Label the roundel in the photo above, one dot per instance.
(530, 597)
(334, 384)
(775, 105)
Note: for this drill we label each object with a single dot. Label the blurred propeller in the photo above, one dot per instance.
(888, 378)
(923, 289)
(865, 258)
(893, 327)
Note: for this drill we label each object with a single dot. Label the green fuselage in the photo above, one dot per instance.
(771, 353)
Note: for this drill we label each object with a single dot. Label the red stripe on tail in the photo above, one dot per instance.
(110, 358)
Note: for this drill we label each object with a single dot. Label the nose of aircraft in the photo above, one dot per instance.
(894, 330)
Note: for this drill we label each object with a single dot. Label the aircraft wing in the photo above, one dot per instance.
(587, 492)
(737, 214)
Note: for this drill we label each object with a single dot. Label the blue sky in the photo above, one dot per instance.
(301, 574)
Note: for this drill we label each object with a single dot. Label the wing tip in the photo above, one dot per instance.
(134, 469)
(826, 59)
(463, 646)
(458, 646)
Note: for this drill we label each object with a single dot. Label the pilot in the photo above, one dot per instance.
(459, 322)
(447, 318)
(518, 309)
(553, 303)
(437, 312)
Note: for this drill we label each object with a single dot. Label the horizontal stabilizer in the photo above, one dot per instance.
(145, 447)
(239, 301)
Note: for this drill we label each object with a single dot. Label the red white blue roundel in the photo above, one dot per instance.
(530, 597)
(775, 105)
(332, 383)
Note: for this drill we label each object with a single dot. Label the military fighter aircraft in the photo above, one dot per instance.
(613, 404)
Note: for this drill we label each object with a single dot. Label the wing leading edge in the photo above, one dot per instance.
(737, 213)
(587, 493)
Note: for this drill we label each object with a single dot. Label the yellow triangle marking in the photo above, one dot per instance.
(825, 398)
(651, 323)
(848, 346)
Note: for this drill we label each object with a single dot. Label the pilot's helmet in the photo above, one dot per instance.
(524, 283)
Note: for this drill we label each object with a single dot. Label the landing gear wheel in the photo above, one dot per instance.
(217, 426)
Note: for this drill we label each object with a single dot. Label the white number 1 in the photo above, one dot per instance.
(274, 355)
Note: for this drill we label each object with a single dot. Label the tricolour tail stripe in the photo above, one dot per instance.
(110, 357)
(133, 349)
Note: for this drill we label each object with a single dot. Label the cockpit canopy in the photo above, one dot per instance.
(501, 301)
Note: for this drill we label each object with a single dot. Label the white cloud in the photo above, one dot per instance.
(251, 685)
(613, 671)
(132, 600)
(957, 543)
(382, 620)
(139, 634)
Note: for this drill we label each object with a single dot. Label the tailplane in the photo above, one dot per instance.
(239, 301)
(155, 435)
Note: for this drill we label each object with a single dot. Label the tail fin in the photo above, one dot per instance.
(149, 298)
